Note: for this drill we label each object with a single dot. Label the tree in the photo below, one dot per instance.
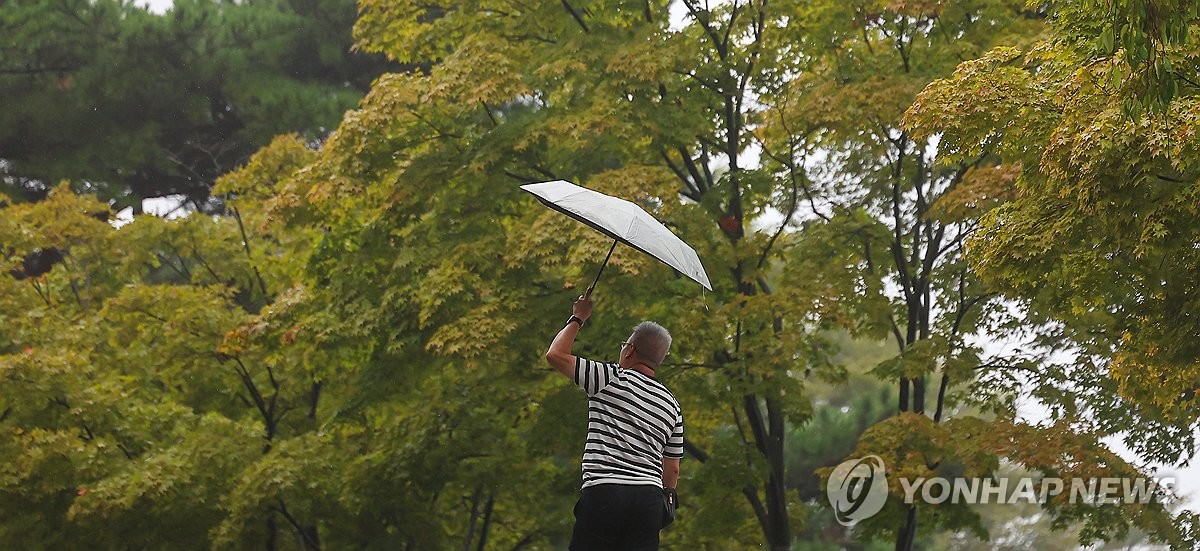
(611, 98)
(1096, 130)
(129, 104)
(360, 339)
(90, 402)
(565, 92)
(840, 414)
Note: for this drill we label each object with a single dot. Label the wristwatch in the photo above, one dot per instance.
(575, 319)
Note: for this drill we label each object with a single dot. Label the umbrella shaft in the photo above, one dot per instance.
(592, 287)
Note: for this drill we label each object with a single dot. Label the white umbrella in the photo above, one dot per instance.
(623, 221)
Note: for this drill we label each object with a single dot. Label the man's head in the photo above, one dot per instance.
(648, 344)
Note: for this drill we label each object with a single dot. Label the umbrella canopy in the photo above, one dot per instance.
(623, 221)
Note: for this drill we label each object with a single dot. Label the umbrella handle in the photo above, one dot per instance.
(588, 294)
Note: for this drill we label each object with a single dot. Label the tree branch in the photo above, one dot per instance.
(524, 179)
(246, 246)
(762, 258)
(702, 19)
(759, 511)
(690, 190)
(303, 533)
(890, 316)
(574, 14)
(701, 185)
(38, 288)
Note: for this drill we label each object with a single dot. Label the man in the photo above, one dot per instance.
(634, 441)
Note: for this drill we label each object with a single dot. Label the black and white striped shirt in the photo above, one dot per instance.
(633, 423)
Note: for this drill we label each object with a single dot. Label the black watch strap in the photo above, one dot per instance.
(575, 319)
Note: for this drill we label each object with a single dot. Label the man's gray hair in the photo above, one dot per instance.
(650, 342)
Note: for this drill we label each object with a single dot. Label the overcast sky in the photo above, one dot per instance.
(157, 6)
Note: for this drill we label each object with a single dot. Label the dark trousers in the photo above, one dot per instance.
(613, 517)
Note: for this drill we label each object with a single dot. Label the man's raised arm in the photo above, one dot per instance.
(559, 355)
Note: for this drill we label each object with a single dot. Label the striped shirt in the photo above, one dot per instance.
(633, 423)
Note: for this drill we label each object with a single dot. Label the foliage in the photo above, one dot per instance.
(1141, 40)
(351, 357)
(1098, 241)
(891, 210)
(117, 409)
(130, 104)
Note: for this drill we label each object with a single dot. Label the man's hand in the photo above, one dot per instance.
(559, 355)
(582, 308)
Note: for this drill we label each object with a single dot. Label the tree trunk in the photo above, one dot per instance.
(768, 438)
(312, 538)
(487, 522)
(466, 546)
(907, 535)
(272, 531)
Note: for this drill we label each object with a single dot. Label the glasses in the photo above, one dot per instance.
(624, 344)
